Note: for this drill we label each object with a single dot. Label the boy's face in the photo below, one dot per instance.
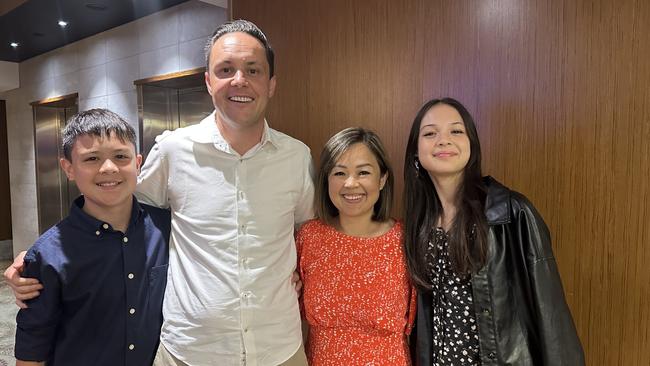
(105, 170)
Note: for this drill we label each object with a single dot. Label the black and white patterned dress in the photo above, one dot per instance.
(455, 332)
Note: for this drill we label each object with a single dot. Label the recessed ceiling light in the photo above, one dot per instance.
(14, 44)
(62, 23)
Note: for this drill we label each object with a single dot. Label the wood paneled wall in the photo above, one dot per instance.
(560, 91)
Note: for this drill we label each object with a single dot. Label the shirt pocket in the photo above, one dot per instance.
(157, 283)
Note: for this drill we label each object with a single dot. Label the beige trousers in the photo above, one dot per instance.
(164, 358)
(298, 359)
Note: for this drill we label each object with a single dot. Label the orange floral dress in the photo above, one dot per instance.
(357, 297)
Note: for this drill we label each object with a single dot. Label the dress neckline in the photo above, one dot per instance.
(395, 226)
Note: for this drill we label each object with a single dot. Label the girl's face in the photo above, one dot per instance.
(443, 144)
(355, 182)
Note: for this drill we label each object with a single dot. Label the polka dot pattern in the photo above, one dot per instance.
(455, 331)
(357, 297)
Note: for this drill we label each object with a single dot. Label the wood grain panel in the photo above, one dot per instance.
(339, 69)
(560, 91)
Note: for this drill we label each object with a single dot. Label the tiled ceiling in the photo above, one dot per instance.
(33, 24)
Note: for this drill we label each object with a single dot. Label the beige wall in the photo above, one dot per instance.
(101, 68)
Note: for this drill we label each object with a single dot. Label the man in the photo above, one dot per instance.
(236, 190)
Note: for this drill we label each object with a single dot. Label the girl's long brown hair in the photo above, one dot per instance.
(422, 207)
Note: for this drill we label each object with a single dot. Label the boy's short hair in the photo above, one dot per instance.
(98, 122)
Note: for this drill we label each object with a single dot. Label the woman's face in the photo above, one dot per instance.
(355, 183)
(443, 144)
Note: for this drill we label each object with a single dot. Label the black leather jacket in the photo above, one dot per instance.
(522, 316)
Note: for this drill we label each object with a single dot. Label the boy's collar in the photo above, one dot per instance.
(97, 227)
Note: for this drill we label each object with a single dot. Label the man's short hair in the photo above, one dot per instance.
(95, 122)
(243, 26)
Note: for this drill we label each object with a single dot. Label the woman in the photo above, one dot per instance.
(481, 255)
(356, 292)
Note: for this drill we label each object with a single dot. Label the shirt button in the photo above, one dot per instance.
(245, 330)
(486, 311)
(132, 311)
(492, 356)
(131, 346)
(125, 239)
(105, 226)
(97, 233)
(130, 276)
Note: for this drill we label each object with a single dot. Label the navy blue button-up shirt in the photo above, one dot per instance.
(101, 302)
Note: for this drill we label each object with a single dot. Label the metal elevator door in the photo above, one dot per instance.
(169, 104)
(54, 192)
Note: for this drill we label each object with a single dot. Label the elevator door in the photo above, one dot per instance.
(170, 102)
(54, 192)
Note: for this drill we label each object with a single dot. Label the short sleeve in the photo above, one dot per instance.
(305, 204)
(154, 176)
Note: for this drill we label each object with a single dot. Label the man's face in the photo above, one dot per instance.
(238, 80)
(105, 171)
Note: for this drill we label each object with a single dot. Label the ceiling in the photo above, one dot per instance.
(34, 23)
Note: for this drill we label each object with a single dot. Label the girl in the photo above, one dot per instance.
(480, 254)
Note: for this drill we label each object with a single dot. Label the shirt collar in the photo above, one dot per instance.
(86, 222)
(208, 133)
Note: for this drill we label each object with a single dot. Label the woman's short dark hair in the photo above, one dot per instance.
(332, 151)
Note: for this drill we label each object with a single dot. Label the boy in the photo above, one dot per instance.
(104, 267)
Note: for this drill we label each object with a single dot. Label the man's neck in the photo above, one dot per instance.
(241, 138)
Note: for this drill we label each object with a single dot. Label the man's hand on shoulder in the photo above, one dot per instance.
(297, 283)
(24, 288)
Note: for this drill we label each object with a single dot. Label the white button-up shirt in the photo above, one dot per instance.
(229, 297)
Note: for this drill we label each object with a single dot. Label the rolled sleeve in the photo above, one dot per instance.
(37, 325)
(153, 179)
(305, 205)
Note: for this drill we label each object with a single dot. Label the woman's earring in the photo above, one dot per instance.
(416, 163)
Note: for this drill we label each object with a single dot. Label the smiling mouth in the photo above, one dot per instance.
(108, 184)
(240, 99)
(444, 154)
(352, 197)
